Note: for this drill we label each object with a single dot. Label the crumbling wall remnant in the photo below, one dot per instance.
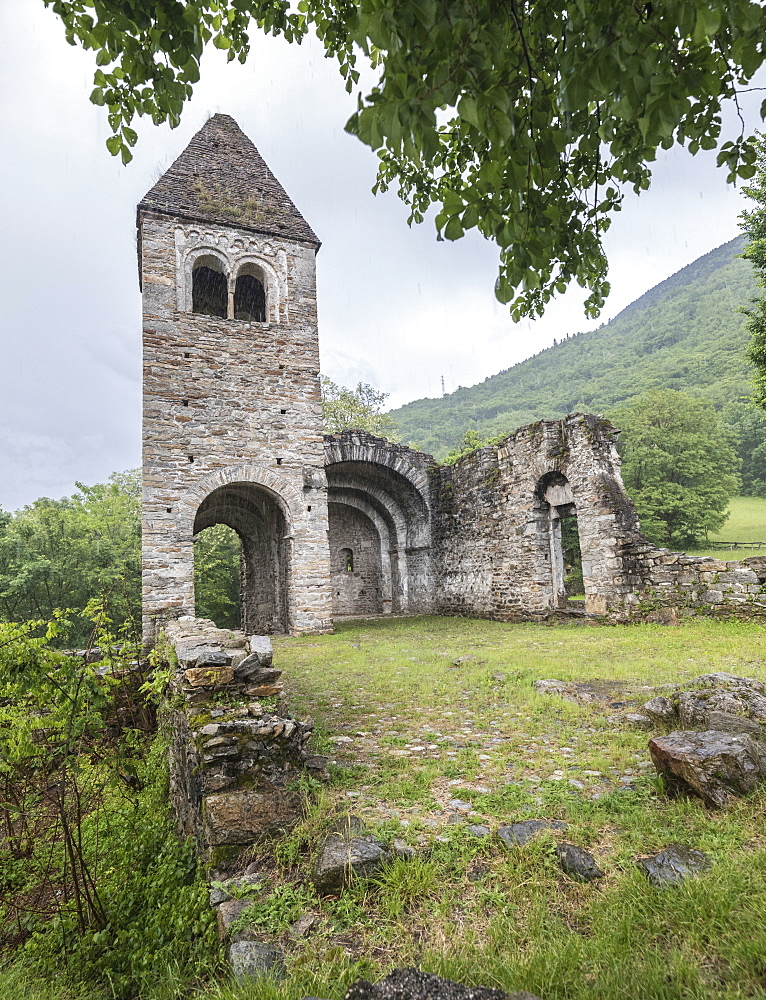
(235, 761)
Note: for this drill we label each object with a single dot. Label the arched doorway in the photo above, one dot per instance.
(560, 534)
(260, 521)
(379, 515)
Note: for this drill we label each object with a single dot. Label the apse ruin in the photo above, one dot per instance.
(350, 523)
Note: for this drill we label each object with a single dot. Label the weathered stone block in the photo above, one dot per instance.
(240, 817)
(209, 676)
(716, 766)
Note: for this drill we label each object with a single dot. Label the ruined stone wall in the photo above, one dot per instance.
(492, 523)
(467, 499)
(690, 585)
(235, 758)
(228, 401)
(495, 525)
(358, 591)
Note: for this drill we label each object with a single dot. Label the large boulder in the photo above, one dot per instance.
(661, 709)
(721, 692)
(717, 766)
(713, 701)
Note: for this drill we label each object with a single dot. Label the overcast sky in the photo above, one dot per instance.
(396, 308)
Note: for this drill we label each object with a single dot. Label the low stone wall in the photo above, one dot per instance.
(235, 760)
(658, 579)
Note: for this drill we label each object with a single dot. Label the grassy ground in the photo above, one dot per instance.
(420, 713)
(746, 523)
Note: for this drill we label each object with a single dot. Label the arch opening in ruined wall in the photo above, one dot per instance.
(378, 513)
(558, 535)
(210, 295)
(261, 521)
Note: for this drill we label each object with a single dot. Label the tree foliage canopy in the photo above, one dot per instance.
(677, 465)
(58, 554)
(753, 224)
(523, 119)
(355, 409)
(217, 576)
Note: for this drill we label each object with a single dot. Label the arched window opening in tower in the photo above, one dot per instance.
(217, 552)
(347, 560)
(210, 296)
(249, 299)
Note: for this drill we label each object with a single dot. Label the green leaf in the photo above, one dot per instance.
(453, 230)
(468, 110)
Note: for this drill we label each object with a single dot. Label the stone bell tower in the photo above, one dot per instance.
(232, 427)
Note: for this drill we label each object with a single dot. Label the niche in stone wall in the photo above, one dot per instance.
(250, 294)
(210, 294)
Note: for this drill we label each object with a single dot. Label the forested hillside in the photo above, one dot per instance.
(685, 333)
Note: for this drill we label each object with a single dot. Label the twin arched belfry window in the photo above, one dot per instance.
(213, 294)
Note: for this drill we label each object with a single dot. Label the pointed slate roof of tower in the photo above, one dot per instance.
(221, 177)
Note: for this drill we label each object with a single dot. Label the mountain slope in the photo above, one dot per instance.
(685, 333)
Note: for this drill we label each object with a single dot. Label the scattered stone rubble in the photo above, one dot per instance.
(346, 853)
(518, 834)
(235, 761)
(412, 984)
(674, 865)
(577, 863)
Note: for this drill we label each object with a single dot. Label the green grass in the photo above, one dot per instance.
(424, 731)
(746, 523)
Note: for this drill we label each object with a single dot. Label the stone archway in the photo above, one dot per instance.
(262, 523)
(379, 507)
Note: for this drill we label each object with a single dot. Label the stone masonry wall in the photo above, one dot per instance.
(492, 524)
(493, 529)
(388, 483)
(689, 585)
(358, 591)
(234, 762)
(228, 401)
